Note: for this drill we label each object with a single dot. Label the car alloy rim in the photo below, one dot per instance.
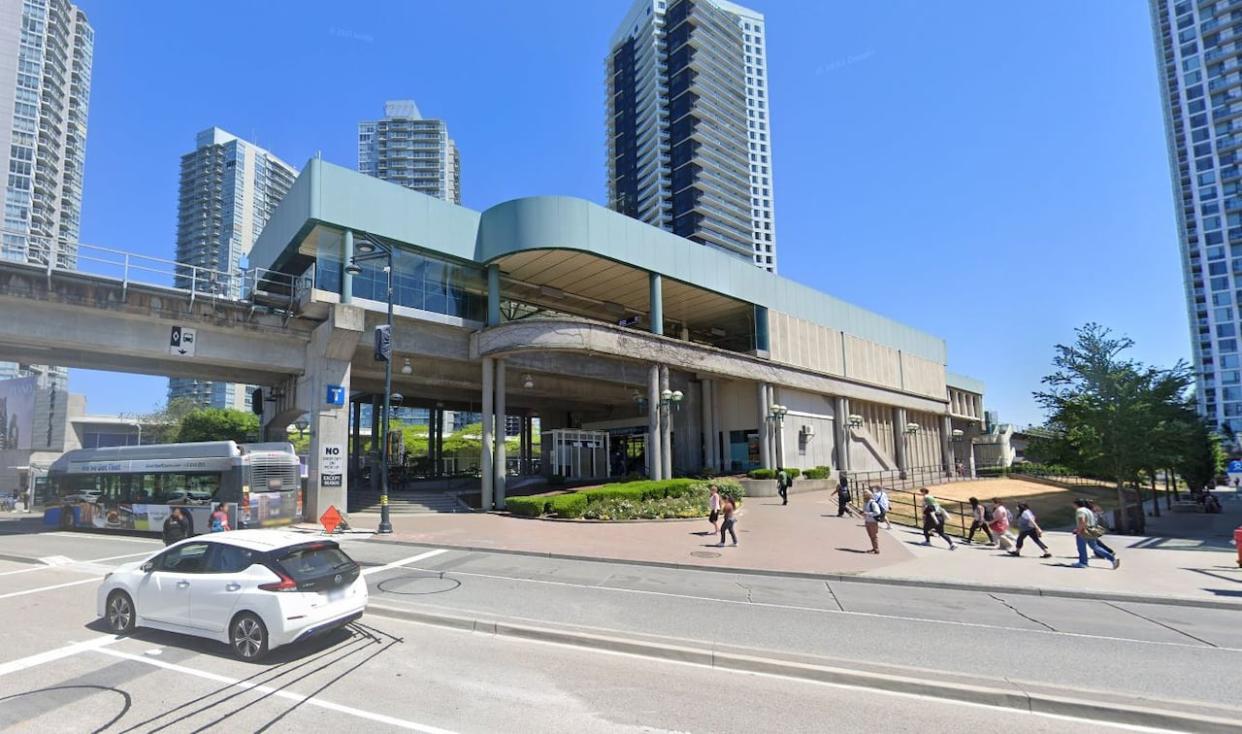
(119, 613)
(248, 638)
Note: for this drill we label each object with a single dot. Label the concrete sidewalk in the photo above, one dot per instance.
(807, 538)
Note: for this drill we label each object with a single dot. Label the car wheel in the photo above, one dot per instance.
(248, 637)
(120, 613)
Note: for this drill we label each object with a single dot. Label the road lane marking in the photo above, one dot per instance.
(797, 608)
(70, 564)
(15, 666)
(11, 594)
(280, 693)
(403, 561)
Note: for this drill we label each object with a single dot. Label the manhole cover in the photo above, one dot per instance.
(418, 585)
(704, 554)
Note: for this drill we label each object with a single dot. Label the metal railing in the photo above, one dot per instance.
(256, 286)
(906, 504)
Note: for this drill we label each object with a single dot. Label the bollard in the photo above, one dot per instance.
(1237, 541)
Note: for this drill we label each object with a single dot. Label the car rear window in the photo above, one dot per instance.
(307, 562)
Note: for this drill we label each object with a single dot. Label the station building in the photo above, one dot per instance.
(639, 351)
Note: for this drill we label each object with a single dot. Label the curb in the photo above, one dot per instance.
(1133, 711)
(1165, 600)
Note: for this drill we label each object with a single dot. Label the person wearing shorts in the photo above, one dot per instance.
(713, 509)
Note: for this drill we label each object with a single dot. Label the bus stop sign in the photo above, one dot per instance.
(330, 519)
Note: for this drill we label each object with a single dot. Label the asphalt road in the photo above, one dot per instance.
(60, 672)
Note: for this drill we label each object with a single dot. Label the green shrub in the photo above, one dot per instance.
(793, 473)
(761, 474)
(819, 472)
(732, 489)
(569, 505)
(526, 506)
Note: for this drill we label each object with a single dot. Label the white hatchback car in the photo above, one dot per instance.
(253, 589)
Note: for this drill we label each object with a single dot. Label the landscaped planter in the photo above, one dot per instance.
(767, 487)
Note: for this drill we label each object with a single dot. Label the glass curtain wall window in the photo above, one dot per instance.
(421, 282)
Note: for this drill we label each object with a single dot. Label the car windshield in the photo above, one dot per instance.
(306, 562)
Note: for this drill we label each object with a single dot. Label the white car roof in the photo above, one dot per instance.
(261, 540)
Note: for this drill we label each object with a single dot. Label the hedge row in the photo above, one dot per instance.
(574, 504)
(819, 472)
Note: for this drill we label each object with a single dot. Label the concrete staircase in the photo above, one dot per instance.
(407, 503)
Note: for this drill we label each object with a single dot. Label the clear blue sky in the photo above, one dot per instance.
(993, 173)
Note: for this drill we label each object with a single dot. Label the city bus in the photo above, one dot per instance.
(136, 487)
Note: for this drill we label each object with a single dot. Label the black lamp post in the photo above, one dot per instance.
(367, 250)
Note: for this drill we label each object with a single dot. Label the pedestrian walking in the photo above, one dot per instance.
(1028, 527)
(871, 519)
(999, 524)
(881, 499)
(219, 520)
(1102, 521)
(933, 519)
(713, 508)
(727, 508)
(175, 527)
(979, 522)
(1088, 533)
(782, 485)
(843, 496)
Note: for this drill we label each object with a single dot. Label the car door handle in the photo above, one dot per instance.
(232, 587)
(183, 584)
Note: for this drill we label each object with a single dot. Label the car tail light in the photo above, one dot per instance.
(286, 583)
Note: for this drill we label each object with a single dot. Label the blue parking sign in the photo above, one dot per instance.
(336, 395)
(1235, 467)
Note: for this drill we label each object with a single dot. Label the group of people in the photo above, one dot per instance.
(179, 524)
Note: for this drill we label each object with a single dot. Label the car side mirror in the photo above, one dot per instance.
(148, 567)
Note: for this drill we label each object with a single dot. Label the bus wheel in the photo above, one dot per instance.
(120, 613)
(248, 637)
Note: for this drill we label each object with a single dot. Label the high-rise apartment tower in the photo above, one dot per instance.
(406, 149)
(1199, 55)
(46, 48)
(689, 124)
(229, 189)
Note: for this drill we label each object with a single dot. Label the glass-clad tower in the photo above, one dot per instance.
(229, 189)
(46, 51)
(689, 139)
(1198, 47)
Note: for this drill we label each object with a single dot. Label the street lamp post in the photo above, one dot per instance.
(370, 249)
(777, 415)
(911, 430)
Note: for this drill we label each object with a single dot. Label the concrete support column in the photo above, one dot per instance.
(666, 430)
(656, 303)
(765, 442)
(493, 295)
(654, 465)
(347, 280)
(487, 453)
(501, 467)
(946, 445)
(328, 362)
(709, 442)
(841, 433)
(900, 438)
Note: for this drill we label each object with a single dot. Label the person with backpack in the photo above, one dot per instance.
(871, 519)
(999, 524)
(782, 485)
(933, 519)
(981, 517)
(175, 527)
(881, 499)
(219, 520)
(1087, 533)
(843, 497)
(1028, 527)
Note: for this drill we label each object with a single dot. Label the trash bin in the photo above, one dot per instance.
(1237, 541)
